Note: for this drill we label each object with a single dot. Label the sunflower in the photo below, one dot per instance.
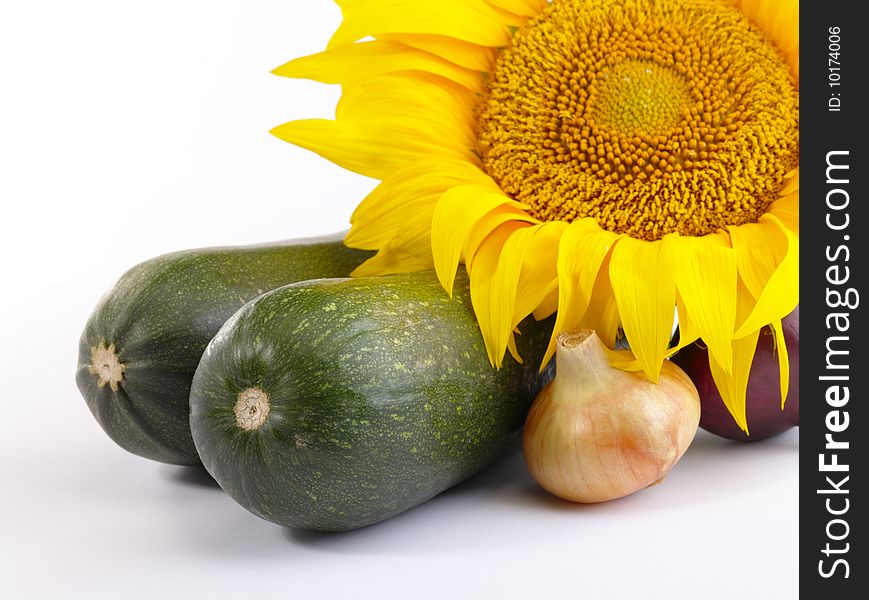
(608, 160)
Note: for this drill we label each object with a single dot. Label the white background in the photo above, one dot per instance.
(130, 129)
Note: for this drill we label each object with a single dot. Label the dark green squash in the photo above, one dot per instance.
(334, 404)
(142, 343)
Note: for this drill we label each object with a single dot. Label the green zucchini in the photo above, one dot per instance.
(335, 404)
(142, 343)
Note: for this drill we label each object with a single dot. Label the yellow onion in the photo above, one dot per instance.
(597, 433)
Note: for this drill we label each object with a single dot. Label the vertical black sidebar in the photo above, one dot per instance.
(834, 368)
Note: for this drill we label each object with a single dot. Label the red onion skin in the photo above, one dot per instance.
(763, 398)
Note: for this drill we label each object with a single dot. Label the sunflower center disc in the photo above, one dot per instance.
(636, 98)
(650, 117)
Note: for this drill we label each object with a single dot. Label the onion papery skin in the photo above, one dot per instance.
(597, 433)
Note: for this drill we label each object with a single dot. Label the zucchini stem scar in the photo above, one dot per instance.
(107, 367)
(251, 409)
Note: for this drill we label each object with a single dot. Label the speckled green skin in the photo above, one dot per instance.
(160, 316)
(381, 397)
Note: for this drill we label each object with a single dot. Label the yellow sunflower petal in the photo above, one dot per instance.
(581, 252)
(780, 20)
(514, 351)
(539, 275)
(602, 313)
(760, 249)
(549, 304)
(386, 209)
(412, 104)
(373, 137)
(787, 207)
(772, 278)
(645, 291)
(408, 251)
(354, 62)
(688, 333)
(391, 260)
(787, 210)
(488, 223)
(792, 182)
(733, 385)
(505, 280)
(465, 54)
(625, 360)
(350, 146)
(481, 270)
(522, 279)
(783, 360)
(525, 8)
(705, 273)
(455, 214)
(473, 21)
